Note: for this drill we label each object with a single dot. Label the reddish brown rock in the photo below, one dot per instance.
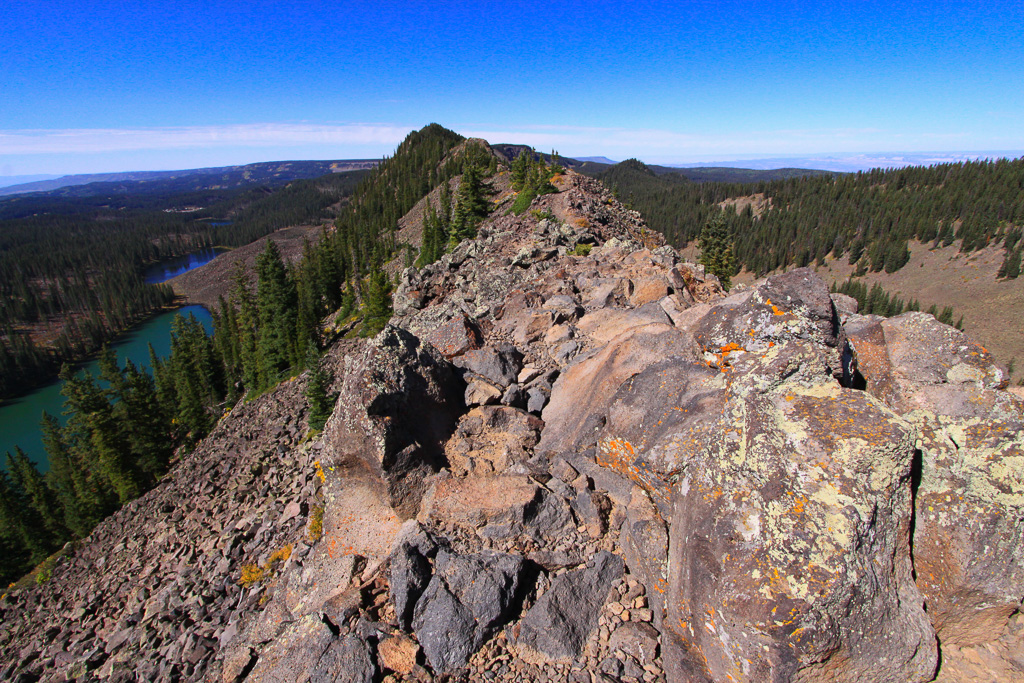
(489, 439)
(648, 290)
(455, 337)
(581, 395)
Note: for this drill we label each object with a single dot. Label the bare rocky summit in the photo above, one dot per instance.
(576, 463)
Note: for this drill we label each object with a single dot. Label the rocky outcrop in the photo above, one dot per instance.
(398, 404)
(577, 464)
(968, 538)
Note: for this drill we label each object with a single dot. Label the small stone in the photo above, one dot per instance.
(615, 607)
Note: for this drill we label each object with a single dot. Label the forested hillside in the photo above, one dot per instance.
(71, 268)
(123, 431)
(866, 217)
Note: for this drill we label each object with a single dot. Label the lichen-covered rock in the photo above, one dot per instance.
(969, 529)
(794, 305)
(399, 402)
(913, 361)
(790, 497)
(968, 532)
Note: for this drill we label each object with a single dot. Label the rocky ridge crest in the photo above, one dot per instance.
(574, 457)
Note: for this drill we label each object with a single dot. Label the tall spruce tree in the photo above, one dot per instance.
(277, 302)
(716, 249)
(317, 384)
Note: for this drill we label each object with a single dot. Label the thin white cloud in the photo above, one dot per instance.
(98, 141)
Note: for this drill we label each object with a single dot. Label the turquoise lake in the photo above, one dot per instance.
(19, 418)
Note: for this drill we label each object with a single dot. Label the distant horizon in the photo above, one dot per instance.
(838, 162)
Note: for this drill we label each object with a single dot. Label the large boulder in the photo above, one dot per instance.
(913, 361)
(790, 496)
(791, 306)
(399, 402)
(468, 598)
(580, 396)
(969, 526)
(561, 621)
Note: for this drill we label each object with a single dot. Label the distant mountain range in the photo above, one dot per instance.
(7, 180)
(277, 173)
(851, 163)
(272, 173)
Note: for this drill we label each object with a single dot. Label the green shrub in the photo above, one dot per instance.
(523, 201)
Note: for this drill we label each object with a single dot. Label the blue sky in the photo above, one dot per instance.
(96, 87)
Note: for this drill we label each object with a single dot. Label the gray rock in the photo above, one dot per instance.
(410, 574)
(468, 598)
(399, 402)
(346, 660)
(536, 399)
(500, 365)
(559, 624)
(513, 396)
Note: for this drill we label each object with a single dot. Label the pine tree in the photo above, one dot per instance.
(377, 303)
(470, 205)
(247, 323)
(318, 383)
(19, 547)
(521, 169)
(716, 249)
(277, 302)
(97, 440)
(44, 503)
(70, 480)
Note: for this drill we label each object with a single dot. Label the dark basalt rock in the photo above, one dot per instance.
(468, 598)
(564, 617)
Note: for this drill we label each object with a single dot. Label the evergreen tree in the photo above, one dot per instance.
(520, 169)
(71, 481)
(471, 204)
(96, 438)
(1011, 265)
(247, 323)
(19, 545)
(318, 383)
(277, 302)
(716, 249)
(377, 304)
(44, 504)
